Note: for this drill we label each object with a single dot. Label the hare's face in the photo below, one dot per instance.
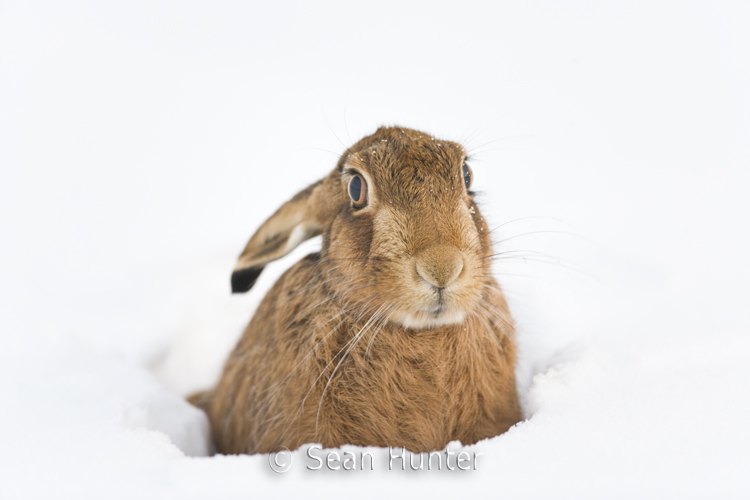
(403, 240)
(407, 240)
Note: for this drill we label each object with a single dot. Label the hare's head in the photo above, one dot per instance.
(401, 232)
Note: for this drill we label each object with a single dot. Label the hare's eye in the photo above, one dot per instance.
(358, 191)
(467, 175)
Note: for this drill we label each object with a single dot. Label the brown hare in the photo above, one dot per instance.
(394, 334)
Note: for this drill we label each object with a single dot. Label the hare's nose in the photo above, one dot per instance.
(439, 265)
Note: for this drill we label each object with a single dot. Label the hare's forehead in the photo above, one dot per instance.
(409, 166)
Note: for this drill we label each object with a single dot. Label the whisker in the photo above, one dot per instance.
(547, 232)
(375, 333)
(353, 342)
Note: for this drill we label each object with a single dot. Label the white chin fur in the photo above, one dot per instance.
(424, 320)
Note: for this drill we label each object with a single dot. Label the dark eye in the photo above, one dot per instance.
(358, 191)
(467, 175)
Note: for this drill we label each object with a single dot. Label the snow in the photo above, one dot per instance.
(141, 144)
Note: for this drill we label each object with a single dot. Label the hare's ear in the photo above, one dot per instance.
(297, 220)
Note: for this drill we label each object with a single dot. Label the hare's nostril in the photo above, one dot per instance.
(439, 265)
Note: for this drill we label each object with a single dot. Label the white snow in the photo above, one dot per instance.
(141, 143)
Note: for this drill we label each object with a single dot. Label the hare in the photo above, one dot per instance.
(394, 334)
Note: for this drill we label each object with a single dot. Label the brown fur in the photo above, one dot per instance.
(395, 334)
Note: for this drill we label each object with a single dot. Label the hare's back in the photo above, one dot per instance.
(291, 311)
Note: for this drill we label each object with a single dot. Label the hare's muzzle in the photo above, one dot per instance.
(439, 265)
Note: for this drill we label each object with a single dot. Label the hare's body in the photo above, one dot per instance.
(420, 390)
(395, 334)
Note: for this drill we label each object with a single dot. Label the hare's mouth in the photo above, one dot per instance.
(437, 310)
(432, 317)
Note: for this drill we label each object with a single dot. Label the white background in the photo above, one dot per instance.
(141, 144)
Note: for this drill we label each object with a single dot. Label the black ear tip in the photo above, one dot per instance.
(243, 280)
